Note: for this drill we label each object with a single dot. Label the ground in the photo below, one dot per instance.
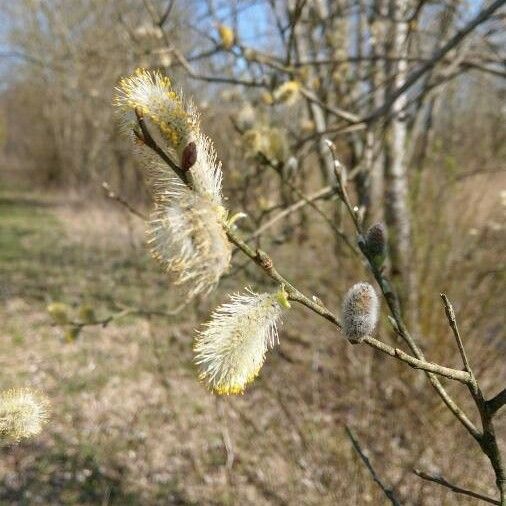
(130, 424)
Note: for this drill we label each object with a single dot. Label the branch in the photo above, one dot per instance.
(324, 193)
(356, 445)
(454, 488)
(148, 140)
(393, 304)
(482, 16)
(118, 198)
(454, 374)
(450, 314)
(262, 259)
(496, 403)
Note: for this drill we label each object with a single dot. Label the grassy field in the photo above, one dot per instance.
(131, 425)
(105, 386)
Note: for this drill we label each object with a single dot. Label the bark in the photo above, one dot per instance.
(374, 152)
(397, 212)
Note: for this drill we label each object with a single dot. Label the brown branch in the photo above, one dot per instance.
(454, 488)
(266, 263)
(482, 16)
(450, 314)
(393, 304)
(324, 193)
(454, 374)
(148, 140)
(497, 402)
(118, 198)
(386, 489)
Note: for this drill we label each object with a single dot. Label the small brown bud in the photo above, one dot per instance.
(189, 156)
(265, 260)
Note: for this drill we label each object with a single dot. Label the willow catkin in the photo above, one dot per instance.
(23, 413)
(186, 228)
(360, 312)
(186, 235)
(376, 243)
(231, 350)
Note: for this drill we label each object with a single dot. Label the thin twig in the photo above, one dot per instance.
(496, 402)
(450, 314)
(454, 488)
(148, 140)
(118, 198)
(388, 491)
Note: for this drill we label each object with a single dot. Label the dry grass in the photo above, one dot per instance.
(130, 423)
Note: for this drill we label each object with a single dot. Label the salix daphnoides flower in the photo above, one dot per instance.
(177, 126)
(360, 312)
(231, 350)
(287, 93)
(186, 228)
(23, 412)
(187, 237)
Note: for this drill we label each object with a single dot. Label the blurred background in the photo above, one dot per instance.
(411, 92)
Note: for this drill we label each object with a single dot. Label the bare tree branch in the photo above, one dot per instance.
(454, 488)
(482, 16)
(386, 489)
(497, 402)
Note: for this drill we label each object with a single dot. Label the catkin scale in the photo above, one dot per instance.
(359, 312)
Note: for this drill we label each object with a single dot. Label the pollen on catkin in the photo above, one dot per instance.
(227, 36)
(186, 235)
(23, 412)
(360, 312)
(231, 350)
(186, 230)
(175, 124)
(287, 93)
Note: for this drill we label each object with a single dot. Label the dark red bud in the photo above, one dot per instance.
(189, 156)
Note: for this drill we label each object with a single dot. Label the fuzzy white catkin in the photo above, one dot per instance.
(186, 228)
(23, 412)
(186, 235)
(174, 123)
(230, 351)
(360, 312)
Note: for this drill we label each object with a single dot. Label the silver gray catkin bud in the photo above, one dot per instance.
(360, 312)
(376, 243)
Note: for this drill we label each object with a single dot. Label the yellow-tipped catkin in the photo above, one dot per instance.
(23, 412)
(187, 237)
(269, 141)
(59, 312)
(231, 350)
(152, 96)
(287, 93)
(186, 229)
(174, 124)
(360, 312)
(227, 36)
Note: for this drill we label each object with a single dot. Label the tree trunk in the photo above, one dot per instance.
(397, 212)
